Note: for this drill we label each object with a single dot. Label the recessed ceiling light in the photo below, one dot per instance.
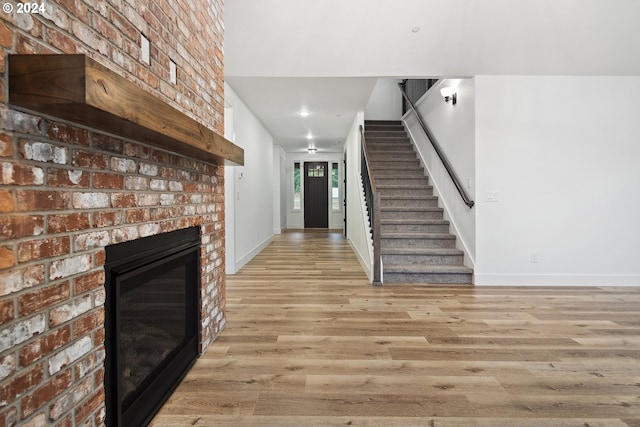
(415, 30)
(309, 136)
(304, 113)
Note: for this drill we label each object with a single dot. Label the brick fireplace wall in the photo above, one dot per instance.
(67, 191)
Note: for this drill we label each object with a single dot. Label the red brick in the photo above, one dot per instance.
(42, 298)
(6, 36)
(89, 406)
(22, 383)
(44, 248)
(137, 215)
(67, 134)
(31, 200)
(123, 200)
(6, 146)
(88, 323)
(99, 258)
(17, 226)
(85, 159)
(7, 204)
(67, 421)
(9, 417)
(88, 282)
(108, 181)
(106, 219)
(106, 143)
(44, 345)
(19, 122)
(7, 312)
(68, 178)
(45, 393)
(60, 40)
(63, 223)
(18, 174)
(7, 257)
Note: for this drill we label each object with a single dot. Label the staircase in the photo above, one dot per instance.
(416, 245)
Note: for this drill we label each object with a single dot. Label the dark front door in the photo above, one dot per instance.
(316, 195)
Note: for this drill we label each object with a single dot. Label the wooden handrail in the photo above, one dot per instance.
(443, 158)
(372, 197)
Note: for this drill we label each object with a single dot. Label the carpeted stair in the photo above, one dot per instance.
(416, 244)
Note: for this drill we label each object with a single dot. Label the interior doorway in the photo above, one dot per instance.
(316, 195)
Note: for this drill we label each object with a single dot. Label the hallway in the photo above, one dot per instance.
(309, 342)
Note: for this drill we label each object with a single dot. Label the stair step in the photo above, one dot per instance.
(391, 164)
(411, 213)
(414, 225)
(387, 140)
(382, 122)
(417, 240)
(375, 158)
(416, 180)
(425, 201)
(434, 256)
(371, 134)
(428, 274)
(412, 173)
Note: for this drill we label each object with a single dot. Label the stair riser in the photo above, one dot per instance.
(423, 259)
(412, 215)
(390, 146)
(427, 278)
(387, 140)
(385, 133)
(418, 191)
(418, 243)
(409, 203)
(375, 165)
(394, 128)
(414, 228)
(392, 157)
(395, 180)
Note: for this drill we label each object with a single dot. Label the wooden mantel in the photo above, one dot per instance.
(78, 89)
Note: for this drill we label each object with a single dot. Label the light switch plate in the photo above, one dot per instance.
(173, 77)
(145, 48)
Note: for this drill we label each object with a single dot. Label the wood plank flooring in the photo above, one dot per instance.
(309, 342)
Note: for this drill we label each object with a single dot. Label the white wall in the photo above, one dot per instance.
(279, 189)
(357, 230)
(562, 155)
(454, 128)
(385, 102)
(251, 185)
(295, 219)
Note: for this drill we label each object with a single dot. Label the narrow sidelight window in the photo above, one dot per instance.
(297, 194)
(335, 187)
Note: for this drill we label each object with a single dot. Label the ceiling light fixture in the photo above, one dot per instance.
(303, 113)
(415, 30)
(312, 150)
(449, 94)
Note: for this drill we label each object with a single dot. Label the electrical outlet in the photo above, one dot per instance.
(534, 257)
(491, 196)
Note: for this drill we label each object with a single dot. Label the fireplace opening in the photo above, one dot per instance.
(151, 325)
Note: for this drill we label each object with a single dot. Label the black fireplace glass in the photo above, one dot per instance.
(152, 313)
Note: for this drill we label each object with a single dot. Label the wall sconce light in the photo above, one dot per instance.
(449, 94)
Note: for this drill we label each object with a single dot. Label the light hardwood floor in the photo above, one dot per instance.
(309, 342)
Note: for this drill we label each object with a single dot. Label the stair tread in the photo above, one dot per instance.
(388, 221)
(421, 251)
(426, 268)
(417, 235)
(409, 209)
(408, 197)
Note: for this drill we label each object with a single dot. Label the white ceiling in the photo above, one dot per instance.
(323, 55)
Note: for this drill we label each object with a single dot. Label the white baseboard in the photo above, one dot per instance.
(364, 263)
(248, 257)
(557, 280)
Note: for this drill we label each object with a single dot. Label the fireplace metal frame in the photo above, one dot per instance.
(141, 258)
